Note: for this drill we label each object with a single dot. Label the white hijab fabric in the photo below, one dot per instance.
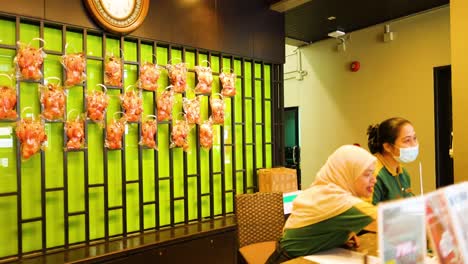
(332, 192)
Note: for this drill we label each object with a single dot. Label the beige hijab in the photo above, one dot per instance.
(332, 192)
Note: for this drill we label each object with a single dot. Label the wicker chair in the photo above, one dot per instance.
(260, 221)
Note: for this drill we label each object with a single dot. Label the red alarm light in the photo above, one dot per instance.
(355, 65)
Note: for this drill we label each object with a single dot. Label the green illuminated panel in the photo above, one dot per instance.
(217, 194)
(178, 172)
(267, 81)
(228, 167)
(249, 167)
(53, 39)
(229, 202)
(248, 78)
(133, 208)
(54, 214)
(164, 204)
(31, 233)
(131, 152)
(258, 102)
(7, 34)
(76, 182)
(179, 211)
(239, 182)
(8, 222)
(130, 49)
(76, 228)
(148, 214)
(115, 222)
(96, 212)
(192, 198)
(74, 42)
(8, 159)
(259, 144)
(94, 45)
(268, 126)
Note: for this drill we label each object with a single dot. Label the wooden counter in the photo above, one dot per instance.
(213, 241)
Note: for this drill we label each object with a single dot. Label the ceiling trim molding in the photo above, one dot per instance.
(285, 5)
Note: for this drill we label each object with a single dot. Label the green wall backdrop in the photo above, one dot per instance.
(58, 198)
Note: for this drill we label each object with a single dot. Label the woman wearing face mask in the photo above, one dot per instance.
(330, 212)
(393, 142)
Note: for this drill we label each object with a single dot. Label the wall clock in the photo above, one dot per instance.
(118, 16)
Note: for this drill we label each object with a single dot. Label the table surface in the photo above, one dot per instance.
(368, 245)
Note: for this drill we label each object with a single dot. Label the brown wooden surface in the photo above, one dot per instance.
(171, 244)
(243, 27)
(368, 245)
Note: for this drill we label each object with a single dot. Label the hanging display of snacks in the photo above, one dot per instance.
(179, 134)
(205, 79)
(149, 127)
(217, 109)
(178, 76)
(164, 102)
(132, 104)
(149, 76)
(206, 134)
(114, 132)
(192, 109)
(31, 135)
(8, 100)
(113, 71)
(75, 68)
(96, 104)
(53, 100)
(29, 61)
(228, 82)
(74, 129)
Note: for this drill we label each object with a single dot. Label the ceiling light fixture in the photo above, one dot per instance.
(336, 34)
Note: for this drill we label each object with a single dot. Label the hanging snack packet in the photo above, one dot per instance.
(149, 76)
(178, 76)
(132, 104)
(192, 109)
(114, 133)
(179, 134)
(149, 127)
(96, 104)
(164, 103)
(53, 100)
(113, 71)
(31, 135)
(29, 61)
(74, 129)
(75, 68)
(205, 79)
(8, 101)
(206, 134)
(217, 110)
(228, 82)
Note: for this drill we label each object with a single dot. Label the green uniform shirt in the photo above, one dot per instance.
(327, 234)
(390, 186)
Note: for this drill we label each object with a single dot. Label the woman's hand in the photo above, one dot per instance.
(353, 241)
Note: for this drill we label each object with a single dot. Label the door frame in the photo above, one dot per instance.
(443, 127)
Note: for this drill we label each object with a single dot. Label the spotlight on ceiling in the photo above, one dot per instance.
(336, 34)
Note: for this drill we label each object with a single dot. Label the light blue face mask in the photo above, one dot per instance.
(408, 155)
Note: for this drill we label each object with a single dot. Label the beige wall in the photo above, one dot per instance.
(396, 79)
(459, 39)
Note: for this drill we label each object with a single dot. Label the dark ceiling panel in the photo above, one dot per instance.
(309, 22)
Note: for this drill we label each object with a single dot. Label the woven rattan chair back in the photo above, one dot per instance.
(260, 217)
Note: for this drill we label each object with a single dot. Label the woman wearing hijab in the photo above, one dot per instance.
(331, 211)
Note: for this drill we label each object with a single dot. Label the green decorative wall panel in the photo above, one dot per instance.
(59, 198)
